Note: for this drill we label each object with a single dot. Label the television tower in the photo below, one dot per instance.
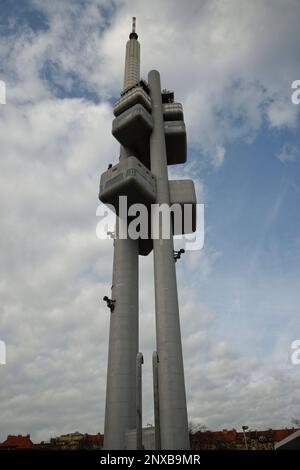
(150, 128)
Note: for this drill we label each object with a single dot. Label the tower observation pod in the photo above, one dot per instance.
(151, 131)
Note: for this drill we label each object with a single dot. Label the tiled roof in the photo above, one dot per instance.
(231, 439)
(95, 438)
(17, 442)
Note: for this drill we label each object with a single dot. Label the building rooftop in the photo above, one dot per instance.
(17, 442)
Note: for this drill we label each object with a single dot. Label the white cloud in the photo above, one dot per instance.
(236, 73)
(288, 153)
(230, 70)
(219, 156)
(282, 113)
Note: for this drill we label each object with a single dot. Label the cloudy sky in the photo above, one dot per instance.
(231, 63)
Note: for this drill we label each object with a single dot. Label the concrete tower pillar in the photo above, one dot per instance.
(172, 399)
(139, 402)
(156, 400)
(120, 408)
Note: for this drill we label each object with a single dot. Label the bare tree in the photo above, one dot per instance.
(196, 427)
(296, 422)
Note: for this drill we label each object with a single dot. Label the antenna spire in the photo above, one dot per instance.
(133, 34)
